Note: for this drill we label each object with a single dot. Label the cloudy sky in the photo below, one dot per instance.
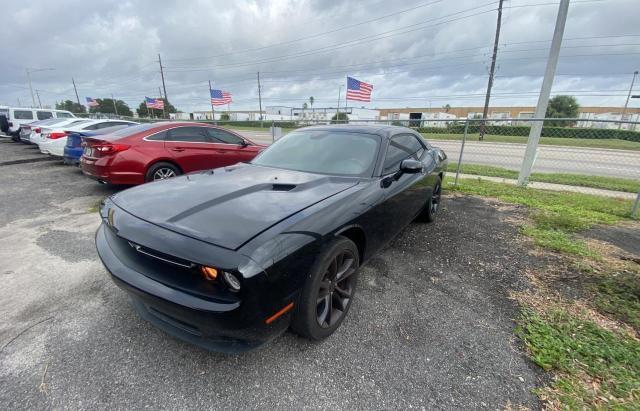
(416, 53)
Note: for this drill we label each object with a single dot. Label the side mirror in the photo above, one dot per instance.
(407, 166)
(244, 143)
(410, 166)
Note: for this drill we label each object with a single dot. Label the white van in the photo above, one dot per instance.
(19, 116)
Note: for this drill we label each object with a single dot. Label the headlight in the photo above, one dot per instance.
(232, 281)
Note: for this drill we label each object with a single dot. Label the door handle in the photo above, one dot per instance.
(178, 149)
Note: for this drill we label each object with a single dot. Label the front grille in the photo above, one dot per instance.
(161, 256)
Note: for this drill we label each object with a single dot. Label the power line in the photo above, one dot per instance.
(314, 35)
(369, 38)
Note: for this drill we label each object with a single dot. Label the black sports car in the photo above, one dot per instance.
(228, 259)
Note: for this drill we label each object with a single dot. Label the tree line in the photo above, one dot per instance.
(106, 106)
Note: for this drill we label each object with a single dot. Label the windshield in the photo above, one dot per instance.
(324, 152)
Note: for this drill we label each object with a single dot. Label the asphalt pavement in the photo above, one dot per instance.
(431, 325)
(550, 159)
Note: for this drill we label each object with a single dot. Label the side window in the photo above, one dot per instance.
(188, 134)
(400, 148)
(44, 115)
(63, 115)
(157, 136)
(92, 127)
(23, 115)
(224, 137)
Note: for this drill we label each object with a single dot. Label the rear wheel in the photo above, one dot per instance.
(328, 291)
(162, 171)
(432, 207)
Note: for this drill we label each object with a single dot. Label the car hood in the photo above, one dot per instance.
(228, 206)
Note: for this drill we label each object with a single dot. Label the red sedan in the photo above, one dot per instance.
(156, 151)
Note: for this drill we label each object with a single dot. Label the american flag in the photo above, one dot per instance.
(358, 90)
(156, 103)
(220, 98)
(91, 102)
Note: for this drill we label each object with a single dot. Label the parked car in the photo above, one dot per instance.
(20, 116)
(149, 152)
(31, 133)
(54, 140)
(230, 258)
(73, 149)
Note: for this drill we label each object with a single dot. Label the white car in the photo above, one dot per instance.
(54, 140)
(19, 116)
(31, 133)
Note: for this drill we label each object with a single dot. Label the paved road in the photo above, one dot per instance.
(431, 326)
(551, 159)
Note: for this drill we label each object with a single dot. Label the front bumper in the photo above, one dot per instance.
(222, 326)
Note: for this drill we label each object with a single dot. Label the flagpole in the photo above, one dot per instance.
(213, 117)
(345, 102)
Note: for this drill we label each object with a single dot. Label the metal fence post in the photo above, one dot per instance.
(634, 210)
(464, 139)
(273, 131)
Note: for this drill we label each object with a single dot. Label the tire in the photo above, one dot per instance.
(160, 169)
(428, 214)
(314, 317)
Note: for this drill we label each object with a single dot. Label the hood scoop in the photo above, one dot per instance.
(283, 187)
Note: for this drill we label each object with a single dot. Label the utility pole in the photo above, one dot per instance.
(39, 103)
(164, 87)
(338, 108)
(115, 107)
(626, 104)
(213, 116)
(164, 111)
(33, 99)
(491, 71)
(545, 91)
(29, 71)
(76, 90)
(259, 96)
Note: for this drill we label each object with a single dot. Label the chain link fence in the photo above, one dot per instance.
(600, 157)
(593, 157)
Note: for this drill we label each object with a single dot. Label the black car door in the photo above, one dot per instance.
(405, 197)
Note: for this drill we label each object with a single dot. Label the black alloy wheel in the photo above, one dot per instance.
(328, 291)
(335, 290)
(433, 204)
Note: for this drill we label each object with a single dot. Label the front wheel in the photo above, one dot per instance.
(328, 291)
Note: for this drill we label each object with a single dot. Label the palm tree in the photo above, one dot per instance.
(311, 100)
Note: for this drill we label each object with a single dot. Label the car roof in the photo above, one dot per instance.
(379, 129)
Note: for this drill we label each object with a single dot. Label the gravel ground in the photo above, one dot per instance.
(431, 326)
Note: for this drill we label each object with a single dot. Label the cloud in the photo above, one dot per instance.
(437, 53)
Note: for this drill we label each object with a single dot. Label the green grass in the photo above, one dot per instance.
(551, 141)
(595, 368)
(618, 295)
(607, 183)
(556, 216)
